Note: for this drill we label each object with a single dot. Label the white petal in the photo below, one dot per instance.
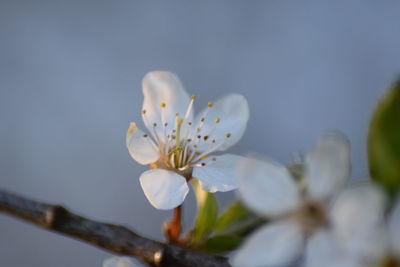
(140, 146)
(164, 87)
(219, 173)
(233, 112)
(356, 217)
(324, 250)
(120, 262)
(164, 189)
(394, 227)
(328, 165)
(276, 244)
(267, 187)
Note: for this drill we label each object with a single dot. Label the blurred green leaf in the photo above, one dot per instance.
(221, 243)
(384, 141)
(233, 218)
(207, 211)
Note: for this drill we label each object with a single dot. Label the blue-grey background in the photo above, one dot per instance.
(70, 74)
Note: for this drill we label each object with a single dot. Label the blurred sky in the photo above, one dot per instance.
(70, 75)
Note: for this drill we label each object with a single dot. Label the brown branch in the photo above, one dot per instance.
(114, 238)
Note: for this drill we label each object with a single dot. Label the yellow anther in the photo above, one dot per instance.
(217, 120)
(193, 97)
(204, 157)
(132, 128)
(210, 104)
(202, 119)
(228, 135)
(163, 105)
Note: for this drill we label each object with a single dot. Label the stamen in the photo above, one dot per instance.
(228, 135)
(184, 157)
(207, 152)
(148, 124)
(204, 115)
(204, 157)
(155, 134)
(189, 109)
(178, 152)
(178, 131)
(172, 162)
(145, 135)
(217, 120)
(164, 121)
(200, 164)
(183, 168)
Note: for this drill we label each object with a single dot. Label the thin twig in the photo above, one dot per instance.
(114, 238)
(173, 228)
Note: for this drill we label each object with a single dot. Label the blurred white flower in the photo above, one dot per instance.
(363, 236)
(120, 262)
(297, 212)
(179, 145)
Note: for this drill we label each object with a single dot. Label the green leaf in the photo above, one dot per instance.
(233, 217)
(222, 243)
(384, 141)
(207, 211)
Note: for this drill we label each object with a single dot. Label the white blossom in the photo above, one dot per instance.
(297, 211)
(179, 145)
(363, 235)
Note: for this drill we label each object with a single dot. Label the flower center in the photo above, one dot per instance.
(311, 216)
(187, 143)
